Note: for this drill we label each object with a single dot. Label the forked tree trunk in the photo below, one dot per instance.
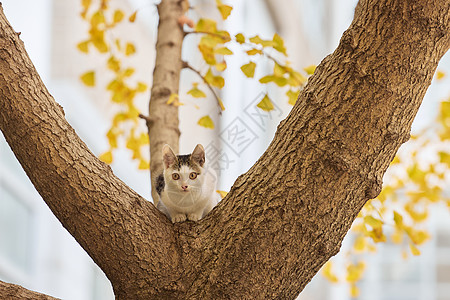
(285, 217)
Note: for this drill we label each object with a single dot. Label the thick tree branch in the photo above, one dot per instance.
(166, 80)
(121, 231)
(288, 214)
(16, 292)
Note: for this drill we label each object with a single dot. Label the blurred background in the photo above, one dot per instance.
(36, 251)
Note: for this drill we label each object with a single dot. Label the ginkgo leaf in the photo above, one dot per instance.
(206, 25)
(221, 66)
(327, 272)
(174, 100)
(130, 49)
(240, 38)
(216, 81)
(106, 157)
(113, 64)
(414, 249)
(208, 54)
(278, 44)
(88, 78)
(374, 223)
(224, 10)
(223, 51)
(257, 40)
(118, 16)
(83, 46)
(132, 17)
(222, 193)
(196, 92)
(265, 104)
(440, 75)
(310, 69)
(254, 51)
(144, 164)
(249, 69)
(293, 96)
(206, 122)
(141, 87)
(128, 72)
(355, 271)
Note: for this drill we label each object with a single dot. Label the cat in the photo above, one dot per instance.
(186, 188)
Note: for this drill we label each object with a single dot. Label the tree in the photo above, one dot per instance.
(285, 217)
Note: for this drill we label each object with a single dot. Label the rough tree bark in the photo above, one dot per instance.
(163, 119)
(285, 217)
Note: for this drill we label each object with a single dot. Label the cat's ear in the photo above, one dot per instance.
(198, 155)
(169, 157)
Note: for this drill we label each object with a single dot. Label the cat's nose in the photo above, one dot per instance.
(184, 187)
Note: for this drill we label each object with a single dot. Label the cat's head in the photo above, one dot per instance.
(184, 173)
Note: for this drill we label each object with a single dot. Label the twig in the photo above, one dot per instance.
(188, 66)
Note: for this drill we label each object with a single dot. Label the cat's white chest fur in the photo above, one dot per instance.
(189, 187)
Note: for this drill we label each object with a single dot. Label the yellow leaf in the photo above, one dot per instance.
(88, 78)
(355, 271)
(254, 51)
(222, 193)
(374, 223)
(128, 72)
(414, 249)
(118, 16)
(106, 157)
(249, 69)
(223, 51)
(278, 44)
(397, 236)
(354, 291)
(221, 66)
(310, 69)
(360, 243)
(97, 18)
(278, 70)
(293, 96)
(113, 64)
(132, 18)
(85, 4)
(280, 81)
(130, 49)
(206, 122)
(327, 272)
(112, 138)
(141, 87)
(440, 75)
(206, 25)
(197, 93)
(224, 10)
(257, 40)
(207, 53)
(216, 81)
(398, 219)
(265, 104)
(144, 164)
(174, 100)
(240, 38)
(83, 46)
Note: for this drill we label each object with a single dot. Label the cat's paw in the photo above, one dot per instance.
(194, 217)
(178, 218)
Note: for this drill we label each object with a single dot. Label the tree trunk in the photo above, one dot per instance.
(15, 292)
(163, 119)
(285, 217)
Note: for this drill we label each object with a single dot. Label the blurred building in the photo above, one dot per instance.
(37, 252)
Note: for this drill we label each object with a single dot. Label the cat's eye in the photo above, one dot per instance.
(175, 176)
(192, 175)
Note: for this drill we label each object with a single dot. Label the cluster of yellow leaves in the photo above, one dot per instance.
(102, 20)
(213, 47)
(399, 213)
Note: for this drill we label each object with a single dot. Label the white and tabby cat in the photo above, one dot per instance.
(187, 188)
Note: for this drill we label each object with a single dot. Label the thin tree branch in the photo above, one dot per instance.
(188, 66)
